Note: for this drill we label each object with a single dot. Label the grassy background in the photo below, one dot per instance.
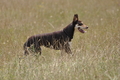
(96, 53)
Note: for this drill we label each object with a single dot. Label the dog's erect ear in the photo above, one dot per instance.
(75, 18)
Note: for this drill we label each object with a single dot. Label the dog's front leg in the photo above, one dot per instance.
(62, 52)
(67, 48)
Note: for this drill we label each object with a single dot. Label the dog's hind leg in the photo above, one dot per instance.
(26, 52)
(25, 49)
(37, 48)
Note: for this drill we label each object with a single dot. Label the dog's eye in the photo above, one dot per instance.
(80, 24)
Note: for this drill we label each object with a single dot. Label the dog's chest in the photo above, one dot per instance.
(70, 43)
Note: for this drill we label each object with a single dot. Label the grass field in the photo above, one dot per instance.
(96, 53)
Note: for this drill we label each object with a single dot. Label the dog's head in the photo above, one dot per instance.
(79, 24)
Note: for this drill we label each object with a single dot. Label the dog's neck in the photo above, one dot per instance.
(69, 30)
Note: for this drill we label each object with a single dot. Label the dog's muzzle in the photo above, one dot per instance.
(81, 30)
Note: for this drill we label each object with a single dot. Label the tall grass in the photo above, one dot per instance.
(96, 53)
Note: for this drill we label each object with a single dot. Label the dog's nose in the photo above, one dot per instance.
(87, 27)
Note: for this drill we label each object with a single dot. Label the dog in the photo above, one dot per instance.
(58, 40)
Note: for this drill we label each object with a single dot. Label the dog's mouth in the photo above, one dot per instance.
(81, 30)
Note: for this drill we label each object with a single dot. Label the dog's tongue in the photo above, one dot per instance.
(82, 31)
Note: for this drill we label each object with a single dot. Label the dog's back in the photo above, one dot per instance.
(48, 39)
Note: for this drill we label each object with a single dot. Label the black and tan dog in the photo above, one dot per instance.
(58, 40)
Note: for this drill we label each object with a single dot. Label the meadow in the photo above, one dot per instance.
(96, 52)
